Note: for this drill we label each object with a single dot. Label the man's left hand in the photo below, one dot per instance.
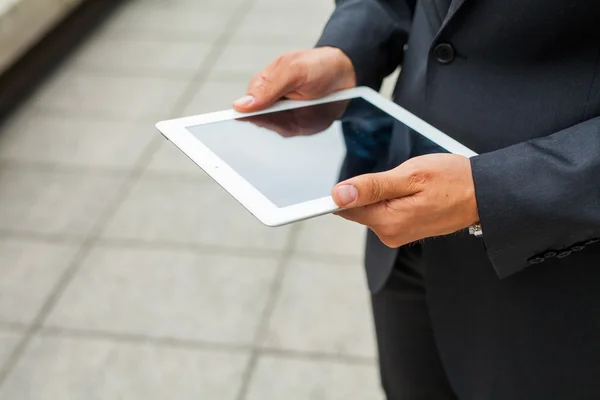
(426, 196)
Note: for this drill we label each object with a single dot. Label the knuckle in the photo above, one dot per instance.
(282, 59)
(418, 179)
(392, 207)
(298, 73)
(288, 61)
(386, 231)
(388, 235)
(264, 80)
(264, 87)
(260, 83)
(374, 190)
(298, 67)
(389, 241)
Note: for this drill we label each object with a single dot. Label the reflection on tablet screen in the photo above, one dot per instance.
(298, 155)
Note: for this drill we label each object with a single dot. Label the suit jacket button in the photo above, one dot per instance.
(444, 53)
(564, 254)
(592, 241)
(536, 260)
(578, 247)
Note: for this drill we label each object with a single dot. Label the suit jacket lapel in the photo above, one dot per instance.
(454, 7)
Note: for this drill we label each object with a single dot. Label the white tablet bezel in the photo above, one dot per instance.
(260, 206)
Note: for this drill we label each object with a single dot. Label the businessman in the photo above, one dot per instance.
(500, 296)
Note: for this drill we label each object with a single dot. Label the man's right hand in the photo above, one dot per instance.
(299, 75)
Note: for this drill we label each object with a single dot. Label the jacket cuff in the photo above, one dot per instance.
(538, 200)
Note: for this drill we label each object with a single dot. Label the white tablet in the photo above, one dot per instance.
(282, 163)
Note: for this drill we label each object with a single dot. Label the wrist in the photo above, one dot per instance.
(343, 64)
(472, 214)
(474, 223)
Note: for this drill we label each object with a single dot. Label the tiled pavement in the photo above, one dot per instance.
(124, 272)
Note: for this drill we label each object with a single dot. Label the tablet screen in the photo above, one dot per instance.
(299, 155)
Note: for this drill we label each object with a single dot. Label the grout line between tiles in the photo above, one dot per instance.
(265, 318)
(31, 331)
(86, 68)
(46, 112)
(197, 248)
(122, 193)
(129, 37)
(146, 115)
(95, 334)
(218, 47)
(198, 78)
(14, 165)
(317, 356)
(74, 266)
(130, 72)
(80, 69)
(55, 238)
(192, 344)
(326, 258)
(117, 243)
(183, 177)
(67, 276)
(94, 238)
(15, 327)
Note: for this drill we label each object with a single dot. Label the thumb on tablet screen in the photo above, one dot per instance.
(299, 75)
(269, 85)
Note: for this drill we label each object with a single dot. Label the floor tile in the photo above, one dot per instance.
(216, 95)
(192, 212)
(143, 56)
(144, 21)
(75, 369)
(245, 60)
(81, 142)
(28, 273)
(77, 92)
(62, 161)
(54, 203)
(332, 317)
(267, 24)
(177, 295)
(186, 5)
(291, 379)
(168, 159)
(313, 7)
(285, 43)
(8, 341)
(330, 234)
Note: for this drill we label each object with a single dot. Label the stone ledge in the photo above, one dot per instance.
(42, 55)
(24, 22)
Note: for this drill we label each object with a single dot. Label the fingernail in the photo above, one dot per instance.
(245, 101)
(346, 194)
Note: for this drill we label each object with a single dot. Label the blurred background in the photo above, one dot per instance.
(125, 273)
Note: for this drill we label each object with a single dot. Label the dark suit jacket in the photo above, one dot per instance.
(517, 313)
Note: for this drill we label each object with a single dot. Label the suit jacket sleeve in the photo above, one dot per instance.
(372, 33)
(540, 198)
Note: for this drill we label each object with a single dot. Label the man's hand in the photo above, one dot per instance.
(299, 75)
(426, 196)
